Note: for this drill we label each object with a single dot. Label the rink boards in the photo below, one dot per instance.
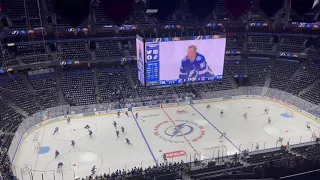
(146, 108)
(143, 108)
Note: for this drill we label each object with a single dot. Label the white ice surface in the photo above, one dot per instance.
(193, 134)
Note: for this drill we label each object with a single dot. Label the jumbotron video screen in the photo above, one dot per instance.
(140, 59)
(179, 60)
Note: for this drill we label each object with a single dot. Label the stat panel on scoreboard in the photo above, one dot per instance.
(179, 60)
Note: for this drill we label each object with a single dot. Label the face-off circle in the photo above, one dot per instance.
(74, 131)
(80, 162)
(179, 131)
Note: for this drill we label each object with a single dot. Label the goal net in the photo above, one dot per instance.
(36, 148)
(25, 172)
(289, 112)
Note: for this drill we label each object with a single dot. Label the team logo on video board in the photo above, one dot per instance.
(157, 40)
(179, 132)
(199, 37)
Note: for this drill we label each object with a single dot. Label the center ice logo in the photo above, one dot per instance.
(179, 132)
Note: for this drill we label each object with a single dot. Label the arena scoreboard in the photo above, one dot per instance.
(140, 59)
(179, 60)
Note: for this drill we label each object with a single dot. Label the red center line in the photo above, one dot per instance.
(175, 125)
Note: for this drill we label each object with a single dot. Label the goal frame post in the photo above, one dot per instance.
(289, 112)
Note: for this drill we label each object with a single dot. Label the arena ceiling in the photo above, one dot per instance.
(120, 10)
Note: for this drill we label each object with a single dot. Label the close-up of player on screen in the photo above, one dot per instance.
(194, 65)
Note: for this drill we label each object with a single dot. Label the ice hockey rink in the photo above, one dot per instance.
(182, 132)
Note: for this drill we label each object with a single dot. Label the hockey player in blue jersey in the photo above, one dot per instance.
(60, 164)
(73, 143)
(68, 120)
(56, 154)
(90, 133)
(55, 130)
(194, 65)
(93, 170)
(128, 141)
